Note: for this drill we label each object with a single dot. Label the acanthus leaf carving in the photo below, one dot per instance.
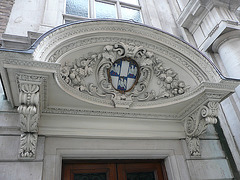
(197, 123)
(78, 74)
(29, 117)
(28, 144)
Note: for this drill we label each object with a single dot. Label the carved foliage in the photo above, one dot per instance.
(29, 99)
(29, 116)
(79, 75)
(28, 144)
(196, 124)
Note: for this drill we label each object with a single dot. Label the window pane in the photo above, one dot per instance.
(130, 1)
(133, 14)
(104, 10)
(77, 7)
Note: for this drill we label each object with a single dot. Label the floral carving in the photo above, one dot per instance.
(29, 116)
(196, 124)
(74, 73)
(79, 75)
(28, 144)
(29, 99)
(169, 79)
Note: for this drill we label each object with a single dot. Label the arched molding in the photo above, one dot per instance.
(90, 33)
(78, 40)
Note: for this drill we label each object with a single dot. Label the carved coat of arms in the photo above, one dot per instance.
(124, 74)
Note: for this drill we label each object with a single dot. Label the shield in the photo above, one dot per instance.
(124, 74)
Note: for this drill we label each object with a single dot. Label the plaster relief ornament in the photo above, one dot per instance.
(124, 74)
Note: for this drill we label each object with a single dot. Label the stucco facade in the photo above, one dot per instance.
(60, 100)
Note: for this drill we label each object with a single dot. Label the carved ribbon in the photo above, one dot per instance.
(29, 116)
(196, 124)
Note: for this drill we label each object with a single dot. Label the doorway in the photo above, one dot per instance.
(114, 170)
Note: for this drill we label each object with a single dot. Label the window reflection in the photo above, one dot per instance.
(105, 10)
(133, 14)
(113, 9)
(77, 7)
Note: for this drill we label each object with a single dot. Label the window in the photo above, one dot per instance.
(112, 9)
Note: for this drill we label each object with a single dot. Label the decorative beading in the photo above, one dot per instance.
(78, 74)
(196, 124)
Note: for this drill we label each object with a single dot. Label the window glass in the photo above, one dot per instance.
(135, 2)
(133, 14)
(105, 10)
(77, 7)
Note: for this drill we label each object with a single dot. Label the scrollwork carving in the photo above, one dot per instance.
(196, 124)
(78, 74)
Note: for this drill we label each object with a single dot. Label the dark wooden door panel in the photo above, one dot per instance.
(140, 171)
(86, 171)
(114, 170)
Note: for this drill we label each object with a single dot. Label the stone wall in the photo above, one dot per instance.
(5, 11)
(10, 165)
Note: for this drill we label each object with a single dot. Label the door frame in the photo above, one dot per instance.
(171, 151)
(170, 160)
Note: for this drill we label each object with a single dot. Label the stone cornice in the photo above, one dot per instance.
(90, 112)
(196, 10)
(41, 66)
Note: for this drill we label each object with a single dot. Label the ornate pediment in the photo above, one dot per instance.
(120, 75)
(69, 82)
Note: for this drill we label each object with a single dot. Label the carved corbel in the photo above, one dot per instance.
(196, 124)
(29, 116)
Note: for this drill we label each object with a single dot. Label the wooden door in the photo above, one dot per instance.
(114, 170)
(140, 171)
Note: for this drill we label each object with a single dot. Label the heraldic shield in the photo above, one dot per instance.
(124, 74)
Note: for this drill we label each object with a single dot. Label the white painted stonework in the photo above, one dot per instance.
(61, 103)
(65, 82)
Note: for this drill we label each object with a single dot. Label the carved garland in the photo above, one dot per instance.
(79, 75)
(196, 124)
(29, 117)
